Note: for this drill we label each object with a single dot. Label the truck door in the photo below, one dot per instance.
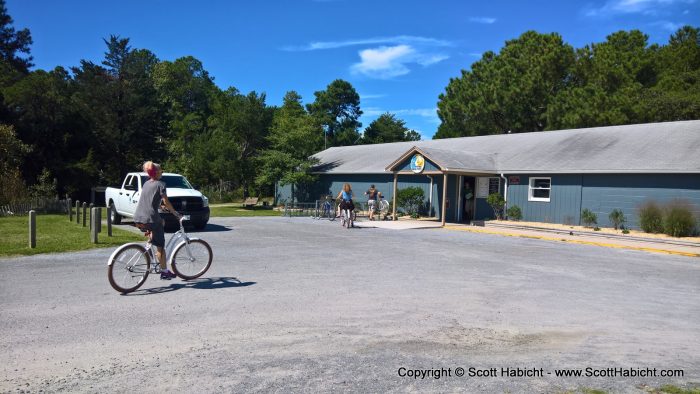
(131, 188)
(122, 202)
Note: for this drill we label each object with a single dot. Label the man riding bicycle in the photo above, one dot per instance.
(147, 217)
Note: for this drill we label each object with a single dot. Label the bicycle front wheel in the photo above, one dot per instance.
(191, 260)
(129, 268)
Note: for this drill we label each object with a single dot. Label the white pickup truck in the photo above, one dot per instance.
(185, 199)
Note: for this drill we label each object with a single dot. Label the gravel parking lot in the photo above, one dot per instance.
(298, 305)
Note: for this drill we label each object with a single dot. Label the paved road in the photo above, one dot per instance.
(301, 305)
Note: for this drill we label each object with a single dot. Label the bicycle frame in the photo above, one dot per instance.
(176, 239)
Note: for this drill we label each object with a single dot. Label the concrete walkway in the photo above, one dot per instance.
(399, 224)
(689, 249)
(647, 245)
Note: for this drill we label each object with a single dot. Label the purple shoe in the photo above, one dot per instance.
(167, 275)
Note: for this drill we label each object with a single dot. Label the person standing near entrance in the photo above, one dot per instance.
(468, 202)
(372, 196)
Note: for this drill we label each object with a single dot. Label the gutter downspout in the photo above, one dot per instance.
(505, 194)
(430, 197)
(393, 197)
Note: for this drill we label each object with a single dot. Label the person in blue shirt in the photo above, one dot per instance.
(346, 198)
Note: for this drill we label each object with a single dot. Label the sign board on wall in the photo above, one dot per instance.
(486, 186)
(417, 163)
(514, 180)
(482, 187)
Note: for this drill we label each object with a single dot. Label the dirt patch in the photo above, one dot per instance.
(457, 338)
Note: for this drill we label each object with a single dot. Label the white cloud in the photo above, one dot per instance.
(670, 26)
(383, 62)
(482, 19)
(646, 7)
(429, 60)
(388, 62)
(429, 113)
(405, 40)
(371, 96)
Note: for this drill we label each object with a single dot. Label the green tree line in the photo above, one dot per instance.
(68, 129)
(90, 124)
(538, 82)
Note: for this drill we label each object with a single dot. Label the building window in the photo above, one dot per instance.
(540, 189)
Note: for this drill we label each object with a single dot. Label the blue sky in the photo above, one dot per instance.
(399, 55)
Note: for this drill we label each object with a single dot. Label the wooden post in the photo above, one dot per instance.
(91, 214)
(84, 214)
(70, 209)
(93, 225)
(32, 229)
(444, 198)
(98, 220)
(109, 220)
(77, 211)
(393, 211)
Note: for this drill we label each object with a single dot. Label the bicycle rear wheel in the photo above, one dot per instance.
(330, 214)
(129, 268)
(190, 261)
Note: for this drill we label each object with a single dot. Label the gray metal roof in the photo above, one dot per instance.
(669, 147)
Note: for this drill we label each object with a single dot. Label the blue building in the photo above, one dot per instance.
(552, 176)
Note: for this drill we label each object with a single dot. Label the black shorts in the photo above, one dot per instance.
(347, 205)
(157, 232)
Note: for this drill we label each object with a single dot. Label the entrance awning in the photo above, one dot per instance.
(445, 161)
(432, 161)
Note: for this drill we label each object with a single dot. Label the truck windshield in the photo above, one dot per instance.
(172, 181)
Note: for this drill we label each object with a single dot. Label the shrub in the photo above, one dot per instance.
(679, 220)
(217, 195)
(617, 218)
(588, 217)
(411, 199)
(625, 231)
(651, 218)
(497, 202)
(45, 187)
(514, 213)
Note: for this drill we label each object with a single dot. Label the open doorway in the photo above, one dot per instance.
(468, 201)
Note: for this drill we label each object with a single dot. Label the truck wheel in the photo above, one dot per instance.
(200, 226)
(116, 217)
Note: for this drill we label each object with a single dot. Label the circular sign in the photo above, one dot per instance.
(417, 163)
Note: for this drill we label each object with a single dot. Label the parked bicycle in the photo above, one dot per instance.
(129, 265)
(383, 208)
(325, 210)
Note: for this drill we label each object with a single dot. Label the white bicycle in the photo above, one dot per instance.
(347, 217)
(383, 208)
(129, 265)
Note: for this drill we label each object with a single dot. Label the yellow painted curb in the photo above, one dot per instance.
(574, 241)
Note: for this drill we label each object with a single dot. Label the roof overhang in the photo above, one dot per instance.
(392, 167)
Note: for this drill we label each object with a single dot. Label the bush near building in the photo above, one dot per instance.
(497, 202)
(679, 220)
(651, 218)
(617, 218)
(514, 213)
(411, 199)
(588, 217)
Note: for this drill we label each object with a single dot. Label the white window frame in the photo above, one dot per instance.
(530, 188)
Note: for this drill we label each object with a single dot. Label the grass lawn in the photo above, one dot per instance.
(228, 210)
(54, 233)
